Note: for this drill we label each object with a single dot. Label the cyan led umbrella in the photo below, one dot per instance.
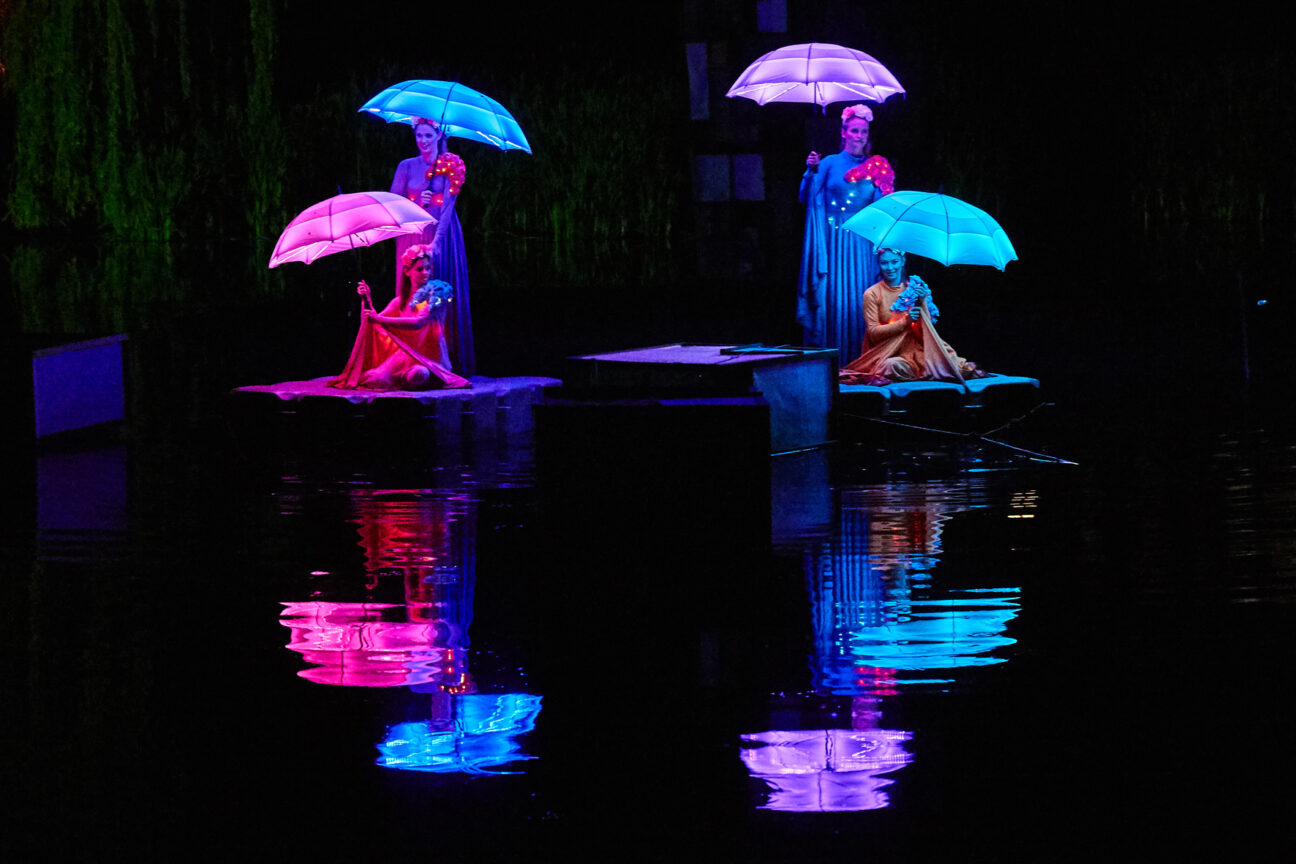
(934, 226)
(816, 72)
(461, 111)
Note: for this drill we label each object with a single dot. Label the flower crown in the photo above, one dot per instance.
(423, 121)
(882, 249)
(859, 110)
(415, 252)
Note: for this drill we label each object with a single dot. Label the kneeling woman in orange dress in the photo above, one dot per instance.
(404, 347)
(900, 338)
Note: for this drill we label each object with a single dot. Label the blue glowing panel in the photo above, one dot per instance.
(78, 385)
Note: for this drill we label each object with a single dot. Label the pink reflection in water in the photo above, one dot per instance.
(351, 645)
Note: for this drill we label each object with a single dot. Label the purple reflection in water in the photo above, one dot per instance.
(825, 769)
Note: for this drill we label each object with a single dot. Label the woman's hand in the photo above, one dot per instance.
(425, 199)
(915, 312)
(363, 288)
(368, 314)
(812, 162)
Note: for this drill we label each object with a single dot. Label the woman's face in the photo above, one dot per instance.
(419, 272)
(426, 136)
(855, 136)
(892, 267)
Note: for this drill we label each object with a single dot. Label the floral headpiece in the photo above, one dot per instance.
(423, 121)
(415, 252)
(861, 110)
(883, 249)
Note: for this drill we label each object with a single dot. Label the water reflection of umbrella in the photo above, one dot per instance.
(935, 226)
(461, 111)
(481, 735)
(825, 769)
(345, 222)
(816, 72)
(351, 645)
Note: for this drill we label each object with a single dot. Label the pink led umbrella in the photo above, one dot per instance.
(816, 72)
(345, 222)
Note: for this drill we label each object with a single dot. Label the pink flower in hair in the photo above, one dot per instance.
(413, 253)
(860, 110)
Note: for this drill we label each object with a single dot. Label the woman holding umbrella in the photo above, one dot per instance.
(404, 346)
(836, 264)
(432, 179)
(901, 343)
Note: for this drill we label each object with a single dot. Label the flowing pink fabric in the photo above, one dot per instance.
(375, 345)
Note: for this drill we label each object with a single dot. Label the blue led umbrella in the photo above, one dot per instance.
(934, 226)
(461, 111)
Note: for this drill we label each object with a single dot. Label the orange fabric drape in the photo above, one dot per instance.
(899, 349)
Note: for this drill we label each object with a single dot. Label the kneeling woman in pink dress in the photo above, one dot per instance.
(404, 346)
(900, 338)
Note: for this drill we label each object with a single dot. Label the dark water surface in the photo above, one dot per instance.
(341, 651)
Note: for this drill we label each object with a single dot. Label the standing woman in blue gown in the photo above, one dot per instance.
(432, 180)
(837, 265)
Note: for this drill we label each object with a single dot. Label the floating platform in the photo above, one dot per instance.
(797, 384)
(976, 405)
(492, 408)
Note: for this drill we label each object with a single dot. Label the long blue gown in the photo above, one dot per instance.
(450, 265)
(836, 265)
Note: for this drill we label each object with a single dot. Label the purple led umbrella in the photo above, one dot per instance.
(816, 72)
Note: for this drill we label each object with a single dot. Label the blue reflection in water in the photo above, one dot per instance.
(419, 544)
(481, 733)
(876, 614)
(874, 604)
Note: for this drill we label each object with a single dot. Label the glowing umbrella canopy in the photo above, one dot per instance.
(345, 222)
(935, 226)
(461, 111)
(816, 72)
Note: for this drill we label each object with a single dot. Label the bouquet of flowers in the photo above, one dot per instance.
(912, 295)
(434, 293)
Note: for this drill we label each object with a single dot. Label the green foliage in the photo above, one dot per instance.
(106, 133)
(168, 122)
(598, 202)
